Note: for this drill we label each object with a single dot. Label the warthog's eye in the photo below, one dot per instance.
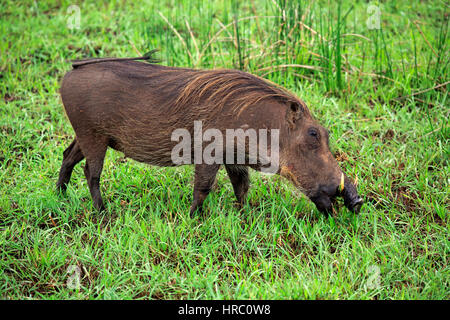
(313, 140)
(313, 132)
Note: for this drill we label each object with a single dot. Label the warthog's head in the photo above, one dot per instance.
(307, 161)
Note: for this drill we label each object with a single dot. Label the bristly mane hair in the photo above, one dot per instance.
(190, 87)
(238, 88)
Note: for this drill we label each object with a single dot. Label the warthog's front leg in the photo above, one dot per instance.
(205, 176)
(240, 180)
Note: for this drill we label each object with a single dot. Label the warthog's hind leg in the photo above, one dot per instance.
(94, 148)
(71, 156)
(92, 171)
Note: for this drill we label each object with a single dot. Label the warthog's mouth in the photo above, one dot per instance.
(324, 203)
(324, 200)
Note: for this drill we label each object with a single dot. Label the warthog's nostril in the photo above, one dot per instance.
(356, 204)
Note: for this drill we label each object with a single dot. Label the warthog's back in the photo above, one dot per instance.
(138, 105)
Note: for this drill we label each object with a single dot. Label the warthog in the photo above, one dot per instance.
(134, 107)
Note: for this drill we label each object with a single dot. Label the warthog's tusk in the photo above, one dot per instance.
(341, 186)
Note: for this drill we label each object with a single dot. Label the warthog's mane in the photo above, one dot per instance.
(236, 88)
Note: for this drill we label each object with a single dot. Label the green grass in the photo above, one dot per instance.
(382, 93)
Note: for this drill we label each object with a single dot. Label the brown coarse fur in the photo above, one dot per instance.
(134, 107)
(218, 87)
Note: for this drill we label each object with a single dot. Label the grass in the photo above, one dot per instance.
(382, 93)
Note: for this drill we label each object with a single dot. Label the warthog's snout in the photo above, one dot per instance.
(351, 198)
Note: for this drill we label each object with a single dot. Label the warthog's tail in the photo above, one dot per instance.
(148, 57)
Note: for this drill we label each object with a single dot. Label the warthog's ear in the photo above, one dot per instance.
(293, 114)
